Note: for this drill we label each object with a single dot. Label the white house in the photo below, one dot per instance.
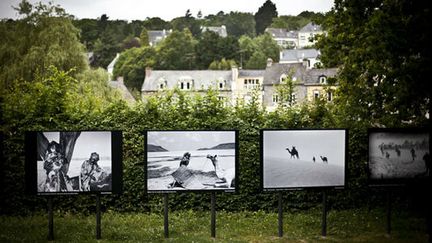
(307, 33)
(307, 56)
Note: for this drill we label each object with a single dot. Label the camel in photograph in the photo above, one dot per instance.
(324, 159)
(226, 176)
(293, 152)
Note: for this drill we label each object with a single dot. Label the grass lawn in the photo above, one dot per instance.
(358, 225)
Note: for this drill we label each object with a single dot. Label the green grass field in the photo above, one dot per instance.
(358, 225)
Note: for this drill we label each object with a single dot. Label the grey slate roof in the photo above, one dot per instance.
(202, 79)
(220, 30)
(157, 35)
(273, 73)
(281, 33)
(298, 54)
(311, 27)
(307, 76)
(123, 90)
(312, 75)
(251, 73)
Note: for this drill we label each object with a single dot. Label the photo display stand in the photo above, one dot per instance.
(286, 154)
(50, 219)
(397, 157)
(98, 217)
(212, 213)
(72, 163)
(200, 161)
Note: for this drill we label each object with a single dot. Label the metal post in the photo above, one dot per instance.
(280, 215)
(324, 215)
(98, 217)
(50, 220)
(389, 208)
(166, 232)
(213, 214)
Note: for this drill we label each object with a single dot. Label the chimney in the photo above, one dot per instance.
(120, 79)
(305, 63)
(269, 62)
(148, 71)
(234, 72)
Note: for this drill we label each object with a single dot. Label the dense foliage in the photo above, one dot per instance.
(380, 84)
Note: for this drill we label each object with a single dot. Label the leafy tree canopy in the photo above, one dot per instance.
(383, 51)
(264, 16)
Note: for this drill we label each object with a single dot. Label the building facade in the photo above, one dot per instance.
(236, 85)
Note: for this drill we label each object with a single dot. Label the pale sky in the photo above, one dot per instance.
(309, 143)
(189, 140)
(167, 9)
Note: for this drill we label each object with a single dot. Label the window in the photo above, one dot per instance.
(185, 83)
(316, 94)
(329, 96)
(275, 99)
(221, 84)
(162, 83)
(251, 83)
(293, 98)
(282, 77)
(323, 79)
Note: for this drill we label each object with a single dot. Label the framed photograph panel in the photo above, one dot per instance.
(191, 161)
(71, 162)
(397, 156)
(297, 159)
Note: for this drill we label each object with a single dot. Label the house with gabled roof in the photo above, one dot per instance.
(220, 30)
(310, 56)
(307, 33)
(309, 84)
(193, 81)
(285, 38)
(156, 36)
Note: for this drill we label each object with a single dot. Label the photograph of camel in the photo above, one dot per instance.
(191, 161)
(398, 154)
(72, 162)
(295, 159)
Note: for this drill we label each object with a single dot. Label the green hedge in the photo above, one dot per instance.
(172, 110)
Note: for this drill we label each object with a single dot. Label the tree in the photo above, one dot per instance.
(199, 14)
(239, 24)
(156, 23)
(144, 37)
(255, 52)
(223, 64)
(130, 42)
(290, 22)
(187, 21)
(44, 36)
(285, 91)
(132, 63)
(211, 47)
(177, 51)
(383, 51)
(264, 16)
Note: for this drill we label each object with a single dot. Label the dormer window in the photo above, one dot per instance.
(185, 83)
(162, 84)
(323, 79)
(221, 84)
(282, 77)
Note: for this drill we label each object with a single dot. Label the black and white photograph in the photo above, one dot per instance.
(191, 160)
(293, 159)
(398, 154)
(74, 162)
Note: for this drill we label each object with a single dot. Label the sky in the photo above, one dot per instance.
(190, 140)
(167, 9)
(309, 143)
(87, 143)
